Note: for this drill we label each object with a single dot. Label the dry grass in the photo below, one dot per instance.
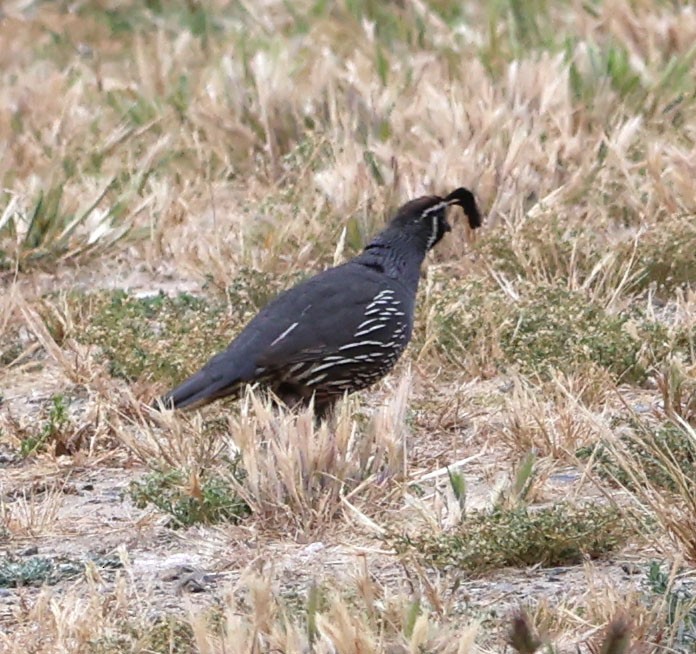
(220, 151)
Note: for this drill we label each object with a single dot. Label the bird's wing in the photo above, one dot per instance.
(318, 317)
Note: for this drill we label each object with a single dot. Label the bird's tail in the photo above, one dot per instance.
(217, 379)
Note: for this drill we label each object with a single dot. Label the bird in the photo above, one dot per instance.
(337, 332)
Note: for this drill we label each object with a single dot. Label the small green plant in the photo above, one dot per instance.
(143, 17)
(527, 27)
(43, 570)
(312, 609)
(677, 387)
(188, 500)
(556, 327)
(155, 336)
(665, 255)
(53, 427)
(523, 479)
(679, 603)
(561, 534)
(34, 571)
(165, 337)
(547, 328)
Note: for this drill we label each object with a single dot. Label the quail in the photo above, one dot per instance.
(338, 332)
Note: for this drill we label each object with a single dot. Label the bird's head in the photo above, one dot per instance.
(425, 218)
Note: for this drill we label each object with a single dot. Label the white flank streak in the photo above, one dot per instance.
(382, 294)
(324, 366)
(284, 334)
(360, 344)
(369, 329)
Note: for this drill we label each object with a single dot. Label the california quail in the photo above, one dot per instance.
(339, 331)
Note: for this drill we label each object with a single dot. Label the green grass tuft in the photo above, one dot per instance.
(660, 451)
(50, 430)
(49, 229)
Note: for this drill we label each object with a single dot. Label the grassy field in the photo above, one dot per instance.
(526, 479)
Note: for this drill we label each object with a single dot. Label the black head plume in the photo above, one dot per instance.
(465, 199)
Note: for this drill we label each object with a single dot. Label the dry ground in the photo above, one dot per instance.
(526, 475)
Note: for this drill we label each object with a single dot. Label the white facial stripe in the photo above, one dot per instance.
(434, 210)
(435, 207)
(433, 233)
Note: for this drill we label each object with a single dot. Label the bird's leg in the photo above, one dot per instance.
(297, 397)
(323, 410)
(288, 395)
(292, 396)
